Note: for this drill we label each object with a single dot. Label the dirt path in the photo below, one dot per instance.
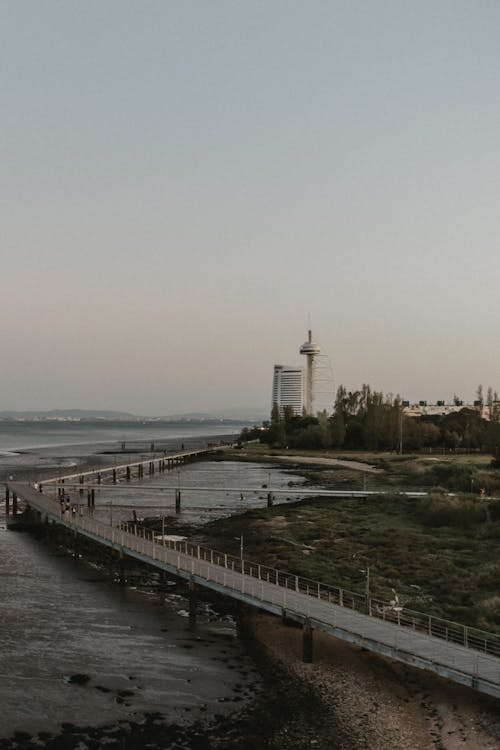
(321, 461)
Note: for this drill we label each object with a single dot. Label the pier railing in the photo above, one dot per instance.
(151, 544)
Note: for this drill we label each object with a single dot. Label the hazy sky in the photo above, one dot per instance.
(183, 183)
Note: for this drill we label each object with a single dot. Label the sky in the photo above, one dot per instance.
(187, 186)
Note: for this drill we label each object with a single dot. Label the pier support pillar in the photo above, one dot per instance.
(98, 477)
(114, 476)
(121, 568)
(270, 499)
(7, 501)
(177, 501)
(14, 504)
(307, 643)
(127, 473)
(193, 602)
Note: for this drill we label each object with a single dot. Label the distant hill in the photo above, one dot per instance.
(68, 414)
(232, 415)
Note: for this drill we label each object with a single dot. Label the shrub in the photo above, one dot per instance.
(442, 510)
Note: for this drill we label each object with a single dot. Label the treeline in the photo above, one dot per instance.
(369, 420)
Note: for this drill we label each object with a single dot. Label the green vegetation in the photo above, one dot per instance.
(440, 553)
(370, 420)
(439, 471)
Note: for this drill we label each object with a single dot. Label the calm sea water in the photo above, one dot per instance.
(60, 618)
(22, 435)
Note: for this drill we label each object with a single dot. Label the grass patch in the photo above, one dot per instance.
(440, 554)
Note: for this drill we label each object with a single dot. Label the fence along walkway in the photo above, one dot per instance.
(461, 653)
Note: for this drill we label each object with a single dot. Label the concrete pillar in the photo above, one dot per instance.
(114, 476)
(121, 568)
(127, 473)
(14, 504)
(270, 499)
(193, 601)
(7, 501)
(307, 643)
(81, 482)
(177, 501)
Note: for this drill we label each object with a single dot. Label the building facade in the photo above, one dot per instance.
(288, 388)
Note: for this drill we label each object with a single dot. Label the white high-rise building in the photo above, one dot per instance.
(288, 388)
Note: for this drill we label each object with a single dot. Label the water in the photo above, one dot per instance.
(41, 446)
(61, 618)
(225, 491)
(21, 435)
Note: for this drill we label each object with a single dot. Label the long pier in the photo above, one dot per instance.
(126, 471)
(463, 654)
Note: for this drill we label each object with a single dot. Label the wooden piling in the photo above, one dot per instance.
(121, 568)
(193, 602)
(177, 501)
(307, 643)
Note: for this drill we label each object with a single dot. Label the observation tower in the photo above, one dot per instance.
(311, 350)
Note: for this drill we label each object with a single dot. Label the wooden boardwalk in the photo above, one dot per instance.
(465, 655)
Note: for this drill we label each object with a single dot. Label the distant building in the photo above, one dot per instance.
(288, 388)
(441, 408)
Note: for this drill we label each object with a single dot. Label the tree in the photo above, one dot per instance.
(275, 414)
(479, 394)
